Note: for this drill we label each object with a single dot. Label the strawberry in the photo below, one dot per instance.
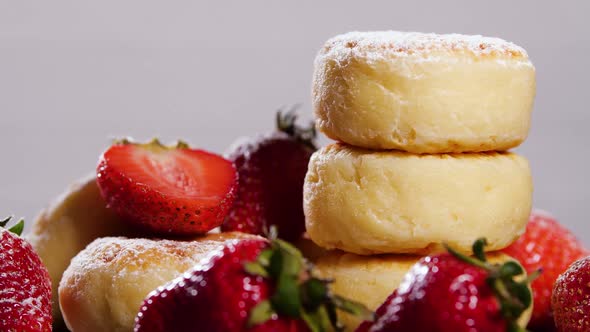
(453, 292)
(25, 286)
(272, 169)
(248, 285)
(548, 245)
(571, 298)
(167, 190)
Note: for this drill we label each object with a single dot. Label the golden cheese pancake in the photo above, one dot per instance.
(371, 202)
(106, 283)
(423, 93)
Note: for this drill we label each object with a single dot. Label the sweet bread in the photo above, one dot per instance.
(423, 93)
(367, 202)
(105, 284)
(74, 220)
(367, 279)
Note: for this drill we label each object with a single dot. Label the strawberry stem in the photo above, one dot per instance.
(531, 277)
(298, 294)
(286, 122)
(16, 228)
(467, 259)
(262, 312)
(5, 221)
(153, 143)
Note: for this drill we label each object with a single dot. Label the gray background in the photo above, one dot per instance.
(74, 74)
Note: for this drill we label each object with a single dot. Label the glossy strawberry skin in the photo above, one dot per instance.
(271, 172)
(167, 191)
(440, 294)
(25, 287)
(216, 296)
(571, 298)
(548, 245)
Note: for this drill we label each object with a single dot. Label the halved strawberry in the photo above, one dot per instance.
(167, 190)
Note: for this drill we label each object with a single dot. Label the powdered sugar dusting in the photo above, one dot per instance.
(123, 256)
(106, 283)
(396, 43)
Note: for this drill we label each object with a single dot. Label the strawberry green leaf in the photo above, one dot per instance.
(511, 269)
(297, 294)
(260, 313)
(255, 268)
(275, 264)
(287, 300)
(292, 264)
(315, 292)
(521, 293)
(478, 249)
(333, 316)
(354, 308)
(531, 277)
(311, 321)
(264, 257)
(5, 221)
(182, 145)
(469, 260)
(317, 321)
(18, 227)
(289, 248)
(514, 327)
(285, 267)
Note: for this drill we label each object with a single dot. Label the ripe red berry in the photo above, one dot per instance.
(452, 292)
(167, 190)
(272, 170)
(25, 286)
(546, 245)
(249, 285)
(571, 298)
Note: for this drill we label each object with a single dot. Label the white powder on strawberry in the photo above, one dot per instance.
(25, 287)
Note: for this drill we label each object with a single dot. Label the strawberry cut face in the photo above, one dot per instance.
(182, 174)
(176, 191)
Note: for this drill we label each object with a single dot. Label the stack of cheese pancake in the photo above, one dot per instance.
(423, 124)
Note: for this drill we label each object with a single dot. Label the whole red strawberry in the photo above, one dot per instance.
(548, 245)
(455, 293)
(25, 286)
(271, 171)
(571, 298)
(249, 285)
(167, 190)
